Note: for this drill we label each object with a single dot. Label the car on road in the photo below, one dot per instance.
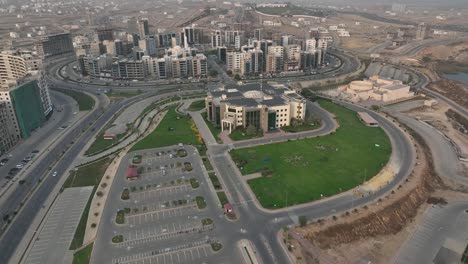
(19, 166)
(54, 174)
(35, 151)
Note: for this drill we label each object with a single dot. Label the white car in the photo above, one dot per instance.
(19, 166)
(54, 174)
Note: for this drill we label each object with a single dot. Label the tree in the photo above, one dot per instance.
(229, 72)
(237, 77)
(302, 220)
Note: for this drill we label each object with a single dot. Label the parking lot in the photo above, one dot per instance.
(160, 210)
(53, 241)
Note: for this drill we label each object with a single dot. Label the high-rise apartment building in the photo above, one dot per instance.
(216, 39)
(143, 27)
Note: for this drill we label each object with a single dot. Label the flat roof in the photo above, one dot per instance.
(367, 118)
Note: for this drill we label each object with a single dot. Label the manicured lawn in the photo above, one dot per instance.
(100, 144)
(85, 102)
(173, 129)
(215, 181)
(222, 198)
(214, 130)
(89, 175)
(83, 256)
(197, 105)
(240, 133)
(303, 170)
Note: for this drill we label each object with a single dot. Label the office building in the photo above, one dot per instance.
(267, 107)
(54, 45)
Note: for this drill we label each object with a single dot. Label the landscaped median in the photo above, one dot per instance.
(84, 101)
(301, 171)
(88, 175)
(173, 129)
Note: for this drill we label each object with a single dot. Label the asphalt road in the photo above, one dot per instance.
(40, 140)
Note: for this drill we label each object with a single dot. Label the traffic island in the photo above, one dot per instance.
(216, 246)
(200, 202)
(117, 239)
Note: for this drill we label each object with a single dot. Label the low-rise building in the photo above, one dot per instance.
(265, 106)
(377, 89)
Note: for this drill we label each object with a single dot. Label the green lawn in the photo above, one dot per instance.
(240, 133)
(222, 198)
(197, 105)
(85, 102)
(302, 170)
(89, 175)
(100, 144)
(83, 256)
(214, 130)
(173, 129)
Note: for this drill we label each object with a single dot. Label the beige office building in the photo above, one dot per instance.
(267, 106)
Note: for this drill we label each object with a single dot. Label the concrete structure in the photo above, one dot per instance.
(378, 89)
(367, 119)
(264, 106)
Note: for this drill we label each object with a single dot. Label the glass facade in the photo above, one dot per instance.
(252, 118)
(28, 107)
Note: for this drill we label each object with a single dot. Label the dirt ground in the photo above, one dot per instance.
(437, 117)
(455, 91)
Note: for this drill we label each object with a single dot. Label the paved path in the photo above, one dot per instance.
(52, 243)
(203, 129)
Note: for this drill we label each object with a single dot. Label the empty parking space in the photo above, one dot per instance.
(160, 215)
(188, 253)
(57, 232)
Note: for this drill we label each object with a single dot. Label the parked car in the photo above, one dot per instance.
(54, 174)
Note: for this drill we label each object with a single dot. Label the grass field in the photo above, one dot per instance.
(303, 170)
(101, 144)
(222, 198)
(173, 129)
(240, 133)
(83, 256)
(197, 105)
(89, 175)
(85, 102)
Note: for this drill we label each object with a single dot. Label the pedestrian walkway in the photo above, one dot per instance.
(203, 128)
